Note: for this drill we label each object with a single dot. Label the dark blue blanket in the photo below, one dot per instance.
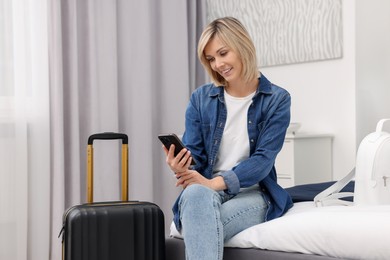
(307, 192)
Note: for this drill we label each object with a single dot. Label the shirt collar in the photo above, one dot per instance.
(264, 87)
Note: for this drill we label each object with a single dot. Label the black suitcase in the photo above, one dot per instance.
(130, 230)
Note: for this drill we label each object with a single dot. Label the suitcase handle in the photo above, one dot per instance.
(125, 167)
(108, 136)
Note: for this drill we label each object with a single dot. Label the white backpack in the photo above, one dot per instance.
(372, 174)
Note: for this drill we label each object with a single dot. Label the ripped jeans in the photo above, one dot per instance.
(209, 218)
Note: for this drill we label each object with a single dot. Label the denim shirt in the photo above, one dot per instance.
(268, 119)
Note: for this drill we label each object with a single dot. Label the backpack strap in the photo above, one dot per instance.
(332, 195)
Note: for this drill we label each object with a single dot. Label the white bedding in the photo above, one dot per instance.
(338, 231)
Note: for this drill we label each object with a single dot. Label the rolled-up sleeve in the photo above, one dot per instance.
(231, 181)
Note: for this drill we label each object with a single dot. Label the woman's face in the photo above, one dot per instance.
(223, 60)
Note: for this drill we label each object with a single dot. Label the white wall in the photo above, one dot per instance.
(372, 64)
(323, 95)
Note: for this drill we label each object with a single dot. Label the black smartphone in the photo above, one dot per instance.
(169, 139)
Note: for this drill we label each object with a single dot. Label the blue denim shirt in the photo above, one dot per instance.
(268, 119)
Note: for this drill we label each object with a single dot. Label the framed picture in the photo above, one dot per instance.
(287, 31)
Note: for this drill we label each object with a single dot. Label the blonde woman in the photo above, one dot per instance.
(234, 129)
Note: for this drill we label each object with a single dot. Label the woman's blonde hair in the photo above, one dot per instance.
(234, 35)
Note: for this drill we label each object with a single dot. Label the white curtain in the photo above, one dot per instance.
(24, 131)
(73, 68)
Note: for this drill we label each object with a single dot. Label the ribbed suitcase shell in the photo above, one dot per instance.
(114, 231)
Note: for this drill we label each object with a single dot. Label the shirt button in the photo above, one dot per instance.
(252, 141)
(250, 122)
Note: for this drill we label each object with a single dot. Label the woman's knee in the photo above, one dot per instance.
(198, 194)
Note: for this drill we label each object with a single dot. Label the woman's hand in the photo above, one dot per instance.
(181, 162)
(190, 177)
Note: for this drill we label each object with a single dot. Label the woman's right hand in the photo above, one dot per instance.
(181, 162)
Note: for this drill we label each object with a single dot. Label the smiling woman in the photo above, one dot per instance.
(233, 185)
(224, 61)
(218, 38)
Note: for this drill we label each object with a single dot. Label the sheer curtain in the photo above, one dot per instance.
(24, 131)
(73, 68)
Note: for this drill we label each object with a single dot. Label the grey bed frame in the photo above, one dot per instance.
(175, 251)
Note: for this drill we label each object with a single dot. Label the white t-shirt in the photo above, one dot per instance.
(234, 146)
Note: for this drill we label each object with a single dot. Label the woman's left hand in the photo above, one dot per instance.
(190, 177)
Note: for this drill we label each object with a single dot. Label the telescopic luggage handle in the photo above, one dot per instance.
(108, 136)
(125, 168)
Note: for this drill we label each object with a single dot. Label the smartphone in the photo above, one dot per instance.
(169, 139)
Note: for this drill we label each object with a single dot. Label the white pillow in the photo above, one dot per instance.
(338, 231)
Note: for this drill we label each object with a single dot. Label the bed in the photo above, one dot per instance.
(309, 232)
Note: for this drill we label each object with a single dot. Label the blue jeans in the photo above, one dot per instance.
(209, 218)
